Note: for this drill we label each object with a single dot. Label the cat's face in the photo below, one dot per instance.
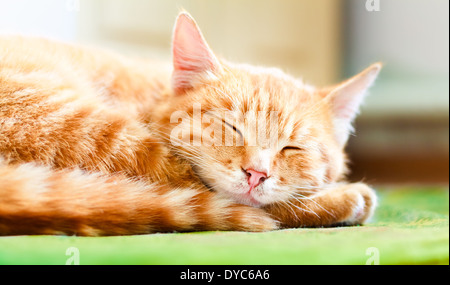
(255, 134)
(262, 136)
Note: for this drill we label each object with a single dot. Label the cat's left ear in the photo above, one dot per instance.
(193, 60)
(346, 99)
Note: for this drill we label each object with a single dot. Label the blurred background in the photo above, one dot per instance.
(403, 131)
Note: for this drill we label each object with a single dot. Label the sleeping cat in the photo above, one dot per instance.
(92, 143)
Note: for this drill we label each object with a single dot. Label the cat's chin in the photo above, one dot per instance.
(246, 199)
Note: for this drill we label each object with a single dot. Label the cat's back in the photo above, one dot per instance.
(23, 58)
(51, 66)
(27, 52)
(37, 69)
(43, 80)
(31, 54)
(64, 104)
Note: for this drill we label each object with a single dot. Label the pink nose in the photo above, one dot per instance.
(255, 178)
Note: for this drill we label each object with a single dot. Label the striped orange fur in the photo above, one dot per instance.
(86, 143)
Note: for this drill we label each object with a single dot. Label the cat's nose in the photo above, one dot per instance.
(255, 177)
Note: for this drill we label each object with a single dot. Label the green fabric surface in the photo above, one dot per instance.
(411, 226)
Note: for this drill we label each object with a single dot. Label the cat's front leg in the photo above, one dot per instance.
(338, 204)
(362, 203)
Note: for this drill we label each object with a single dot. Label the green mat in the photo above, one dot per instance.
(411, 226)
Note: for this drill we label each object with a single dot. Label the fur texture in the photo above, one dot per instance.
(87, 143)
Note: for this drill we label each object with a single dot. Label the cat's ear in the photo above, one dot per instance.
(193, 60)
(346, 99)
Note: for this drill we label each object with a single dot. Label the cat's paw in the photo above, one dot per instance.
(363, 203)
(246, 218)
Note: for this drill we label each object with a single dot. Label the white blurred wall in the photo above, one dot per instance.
(48, 18)
(411, 37)
(300, 36)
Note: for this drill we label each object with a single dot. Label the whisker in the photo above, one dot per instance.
(312, 200)
(288, 207)
(301, 209)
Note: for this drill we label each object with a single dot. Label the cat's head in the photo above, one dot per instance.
(256, 134)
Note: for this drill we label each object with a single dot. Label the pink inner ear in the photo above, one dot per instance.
(346, 106)
(347, 98)
(191, 55)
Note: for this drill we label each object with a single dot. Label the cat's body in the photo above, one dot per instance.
(87, 145)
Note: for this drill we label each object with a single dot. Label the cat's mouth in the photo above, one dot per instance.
(245, 196)
(246, 199)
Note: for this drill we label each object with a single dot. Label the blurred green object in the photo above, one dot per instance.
(411, 226)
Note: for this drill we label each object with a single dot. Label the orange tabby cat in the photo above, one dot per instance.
(90, 143)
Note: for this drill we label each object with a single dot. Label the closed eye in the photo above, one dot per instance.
(291, 148)
(233, 127)
(229, 125)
